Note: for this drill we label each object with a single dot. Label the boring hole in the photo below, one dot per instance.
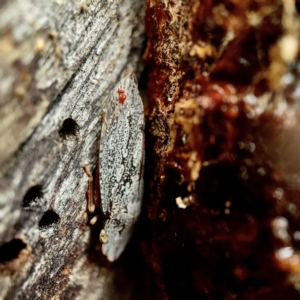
(11, 250)
(34, 194)
(69, 129)
(49, 218)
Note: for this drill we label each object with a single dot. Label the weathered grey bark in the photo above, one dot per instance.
(58, 60)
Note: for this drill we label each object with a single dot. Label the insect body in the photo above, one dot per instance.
(121, 160)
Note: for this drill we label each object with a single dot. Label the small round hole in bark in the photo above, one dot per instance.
(49, 218)
(11, 250)
(34, 194)
(69, 129)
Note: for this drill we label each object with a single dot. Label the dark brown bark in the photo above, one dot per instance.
(223, 199)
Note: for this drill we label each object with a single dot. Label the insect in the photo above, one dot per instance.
(120, 170)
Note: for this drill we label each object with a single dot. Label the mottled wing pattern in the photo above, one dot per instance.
(121, 165)
(118, 231)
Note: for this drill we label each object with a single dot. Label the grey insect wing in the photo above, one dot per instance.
(121, 165)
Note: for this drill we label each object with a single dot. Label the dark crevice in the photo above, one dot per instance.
(34, 194)
(49, 218)
(11, 250)
(68, 129)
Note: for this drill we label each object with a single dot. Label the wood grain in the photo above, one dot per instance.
(58, 61)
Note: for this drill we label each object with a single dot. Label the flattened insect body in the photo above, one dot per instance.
(121, 165)
(121, 162)
(118, 231)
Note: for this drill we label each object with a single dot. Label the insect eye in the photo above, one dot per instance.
(122, 98)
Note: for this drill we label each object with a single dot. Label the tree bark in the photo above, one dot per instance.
(223, 162)
(58, 60)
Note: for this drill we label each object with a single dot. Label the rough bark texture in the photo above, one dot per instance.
(223, 110)
(58, 60)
